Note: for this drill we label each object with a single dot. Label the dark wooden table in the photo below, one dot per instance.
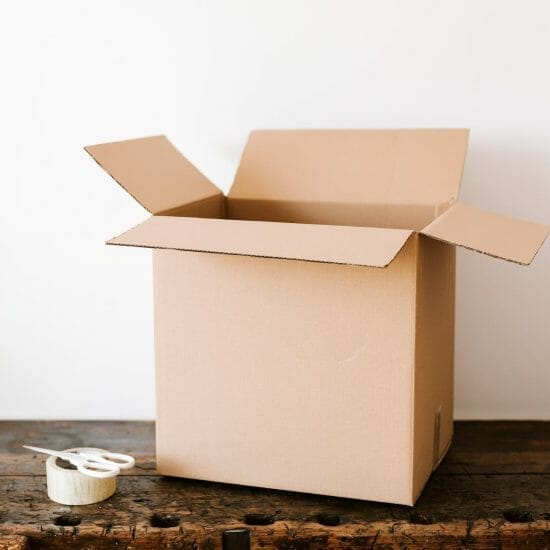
(491, 491)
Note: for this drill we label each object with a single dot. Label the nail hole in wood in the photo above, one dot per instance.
(518, 515)
(330, 520)
(422, 518)
(165, 520)
(67, 520)
(259, 519)
(236, 539)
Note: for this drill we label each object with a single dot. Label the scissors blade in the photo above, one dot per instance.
(59, 454)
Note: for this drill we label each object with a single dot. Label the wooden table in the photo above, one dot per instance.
(491, 491)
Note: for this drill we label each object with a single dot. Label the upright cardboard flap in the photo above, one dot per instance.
(352, 166)
(500, 236)
(363, 246)
(154, 172)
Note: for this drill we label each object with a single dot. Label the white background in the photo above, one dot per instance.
(76, 316)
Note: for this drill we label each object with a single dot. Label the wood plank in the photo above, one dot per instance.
(124, 435)
(135, 438)
(445, 498)
(14, 542)
(303, 536)
(448, 501)
(505, 447)
(478, 447)
(492, 491)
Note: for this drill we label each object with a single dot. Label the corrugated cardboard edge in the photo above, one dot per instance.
(495, 256)
(119, 155)
(87, 148)
(454, 226)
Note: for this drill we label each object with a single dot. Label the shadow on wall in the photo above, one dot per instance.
(503, 309)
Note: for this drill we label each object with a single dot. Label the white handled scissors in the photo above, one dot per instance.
(92, 463)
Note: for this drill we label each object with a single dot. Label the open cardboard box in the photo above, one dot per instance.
(311, 347)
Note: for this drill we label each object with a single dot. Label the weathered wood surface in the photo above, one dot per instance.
(492, 491)
(14, 542)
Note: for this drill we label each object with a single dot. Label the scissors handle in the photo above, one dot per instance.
(97, 469)
(118, 460)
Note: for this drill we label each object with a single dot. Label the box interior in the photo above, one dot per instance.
(398, 216)
(399, 179)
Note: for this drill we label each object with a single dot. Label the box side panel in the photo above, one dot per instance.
(434, 357)
(211, 207)
(353, 166)
(290, 375)
(402, 216)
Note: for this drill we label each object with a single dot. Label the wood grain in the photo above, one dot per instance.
(492, 491)
(14, 542)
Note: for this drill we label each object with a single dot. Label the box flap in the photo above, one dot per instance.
(352, 166)
(493, 234)
(154, 172)
(363, 246)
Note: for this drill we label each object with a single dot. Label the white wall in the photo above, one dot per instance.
(76, 316)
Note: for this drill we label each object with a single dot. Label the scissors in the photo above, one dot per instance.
(100, 464)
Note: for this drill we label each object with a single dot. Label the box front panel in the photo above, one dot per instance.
(285, 374)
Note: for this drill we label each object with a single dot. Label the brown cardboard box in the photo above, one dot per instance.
(311, 347)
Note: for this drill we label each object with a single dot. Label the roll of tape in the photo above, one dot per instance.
(66, 485)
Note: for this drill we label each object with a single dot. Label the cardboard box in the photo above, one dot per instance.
(311, 347)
